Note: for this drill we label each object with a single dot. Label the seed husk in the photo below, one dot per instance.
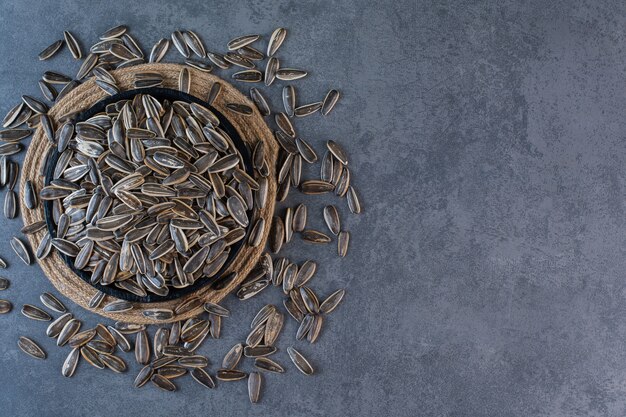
(316, 187)
(203, 378)
(331, 99)
(299, 218)
(218, 60)
(144, 376)
(195, 361)
(230, 375)
(159, 50)
(120, 339)
(82, 338)
(96, 300)
(163, 383)
(290, 74)
(184, 80)
(254, 386)
(30, 196)
(35, 313)
(276, 40)
(113, 362)
(249, 76)
(239, 108)
(331, 217)
(300, 361)
(5, 306)
(72, 45)
(232, 357)
(270, 70)
(258, 351)
(142, 348)
(277, 234)
(263, 315)
(216, 309)
(260, 102)
(159, 313)
(10, 205)
(51, 50)
(305, 273)
(29, 347)
(267, 364)
(332, 301)
(14, 135)
(69, 365)
(273, 327)
(179, 42)
(242, 41)
(314, 236)
(307, 109)
(70, 328)
(195, 43)
(52, 302)
(55, 328)
(48, 91)
(343, 241)
(118, 306)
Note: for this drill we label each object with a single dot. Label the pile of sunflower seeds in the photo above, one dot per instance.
(149, 195)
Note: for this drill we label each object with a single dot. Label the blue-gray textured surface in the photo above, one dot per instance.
(485, 276)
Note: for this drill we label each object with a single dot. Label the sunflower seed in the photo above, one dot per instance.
(35, 105)
(284, 124)
(314, 236)
(300, 361)
(254, 386)
(144, 376)
(260, 102)
(195, 44)
(159, 50)
(316, 187)
(72, 45)
(54, 329)
(290, 74)
(51, 50)
(184, 80)
(114, 32)
(250, 76)
(276, 40)
(20, 250)
(10, 205)
(30, 196)
(202, 66)
(4, 284)
(159, 313)
(179, 42)
(266, 364)
(270, 70)
(5, 306)
(277, 234)
(232, 358)
(273, 327)
(88, 64)
(142, 348)
(70, 328)
(218, 60)
(202, 377)
(230, 375)
(114, 363)
(14, 135)
(29, 347)
(195, 361)
(331, 217)
(120, 339)
(239, 108)
(118, 306)
(299, 218)
(337, 151)
(307, 109)
(52, 302)
(163, 383)
(69, 365)
(81, 338)
(330, 101)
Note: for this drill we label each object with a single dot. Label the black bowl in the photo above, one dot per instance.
(161, 94)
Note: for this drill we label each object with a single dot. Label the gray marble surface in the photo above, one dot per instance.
(485, 276)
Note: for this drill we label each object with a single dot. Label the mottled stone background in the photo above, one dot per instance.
(486, 275)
